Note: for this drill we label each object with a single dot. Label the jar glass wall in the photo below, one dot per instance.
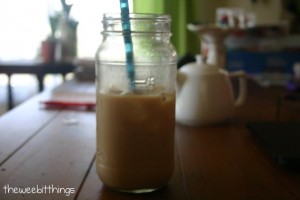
(135, 127)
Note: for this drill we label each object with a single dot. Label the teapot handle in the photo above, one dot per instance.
(241, 75)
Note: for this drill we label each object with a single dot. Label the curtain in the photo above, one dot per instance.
(182, 12)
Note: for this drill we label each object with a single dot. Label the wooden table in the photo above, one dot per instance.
(56, 148)
(37, 68)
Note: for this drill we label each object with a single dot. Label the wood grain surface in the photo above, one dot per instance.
(42, 147)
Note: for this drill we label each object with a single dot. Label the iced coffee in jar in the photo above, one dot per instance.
(136, 114)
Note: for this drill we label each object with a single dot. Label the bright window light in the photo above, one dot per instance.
(25, 24)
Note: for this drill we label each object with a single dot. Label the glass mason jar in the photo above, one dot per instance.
(135, 126)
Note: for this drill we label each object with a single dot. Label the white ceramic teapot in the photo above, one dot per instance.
(205, 95)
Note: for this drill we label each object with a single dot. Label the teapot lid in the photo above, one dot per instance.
(200, 67)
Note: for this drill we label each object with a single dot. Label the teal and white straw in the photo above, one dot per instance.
(126, 28)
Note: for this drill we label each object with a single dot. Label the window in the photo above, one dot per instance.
(24, 24)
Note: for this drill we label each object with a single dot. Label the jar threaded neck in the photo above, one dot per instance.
(140, 24)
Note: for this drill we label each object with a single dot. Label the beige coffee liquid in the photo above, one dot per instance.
(135, 140)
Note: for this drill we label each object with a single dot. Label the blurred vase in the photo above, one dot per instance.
(66, 40)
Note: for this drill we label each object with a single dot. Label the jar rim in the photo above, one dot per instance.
(137, 16)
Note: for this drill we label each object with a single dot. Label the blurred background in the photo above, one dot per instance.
(266, 45)
(26, 23)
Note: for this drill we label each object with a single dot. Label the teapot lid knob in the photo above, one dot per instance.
(201, 59)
